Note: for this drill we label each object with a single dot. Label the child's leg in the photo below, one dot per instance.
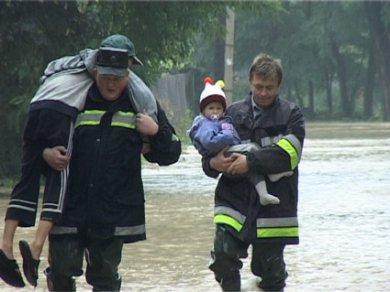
(55, 186)
(53, 196)
(59, 128)
(245, 148)
(258, 181)
(10, 226)
(277, 176)
(43, 230)
(31, 251)
(9, 269)
(53, 201)
(22, 208)
(242, 148)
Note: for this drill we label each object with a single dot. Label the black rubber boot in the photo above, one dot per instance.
(231, 283)
(59, 283)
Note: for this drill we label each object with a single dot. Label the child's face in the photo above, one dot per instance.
(213, 110)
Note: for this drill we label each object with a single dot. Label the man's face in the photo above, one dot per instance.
(111, 86)
(264, 90)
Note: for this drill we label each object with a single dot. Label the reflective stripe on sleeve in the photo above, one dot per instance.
(229, 216)
(268, 141)
(293, 147)
(225, 219)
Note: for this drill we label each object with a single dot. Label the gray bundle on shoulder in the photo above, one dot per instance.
(69, 78)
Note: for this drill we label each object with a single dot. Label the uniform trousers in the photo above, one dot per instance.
(267, 262)
(66, 253)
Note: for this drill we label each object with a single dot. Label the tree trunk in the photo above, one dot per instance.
(379, 33)
(311, 96)
(298, 95)
(329, 94)
(369, 86)
(219, 54)
(342, 76)
(229, 54)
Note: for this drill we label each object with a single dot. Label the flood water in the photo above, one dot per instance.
(344, 212)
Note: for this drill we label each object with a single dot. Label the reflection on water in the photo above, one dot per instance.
(344, 216)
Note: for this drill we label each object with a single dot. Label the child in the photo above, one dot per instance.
(211, 131)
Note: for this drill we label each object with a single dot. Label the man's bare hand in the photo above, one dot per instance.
(56, 157)
(221, 163)
(146, 125)
(239, 165)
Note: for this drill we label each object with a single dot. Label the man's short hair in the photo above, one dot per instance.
(266, 67)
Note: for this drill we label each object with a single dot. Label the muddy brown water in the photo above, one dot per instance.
(344, 220)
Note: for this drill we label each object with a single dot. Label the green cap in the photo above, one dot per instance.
(118, 41)
(111, 61)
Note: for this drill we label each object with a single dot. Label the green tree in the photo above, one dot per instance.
(328, 51)
(33, 33)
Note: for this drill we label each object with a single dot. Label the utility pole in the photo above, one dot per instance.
(229, 53)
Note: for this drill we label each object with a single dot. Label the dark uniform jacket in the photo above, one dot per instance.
(105, 194)
(280, 130)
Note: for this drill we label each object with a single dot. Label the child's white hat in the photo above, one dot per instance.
(212, 93)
